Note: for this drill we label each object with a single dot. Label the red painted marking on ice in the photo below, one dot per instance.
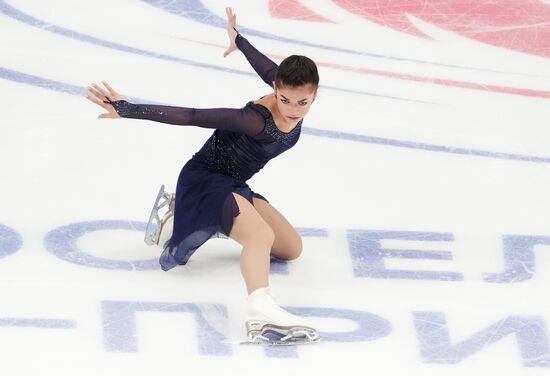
(293, 9)
(409, 77)
(521, 25)
(444, 82)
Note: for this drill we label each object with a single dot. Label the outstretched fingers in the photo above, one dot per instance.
(112, 93)
(98, 92)
(102, 91)
(94, 98)
(231, 23)
(106, 95)
(101, 97)
(231, 17)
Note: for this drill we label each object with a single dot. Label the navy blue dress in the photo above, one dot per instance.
(245, 139)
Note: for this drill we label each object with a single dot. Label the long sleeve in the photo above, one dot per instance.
(244, 120)
(265, 68)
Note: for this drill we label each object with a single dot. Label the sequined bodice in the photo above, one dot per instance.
(240, 155)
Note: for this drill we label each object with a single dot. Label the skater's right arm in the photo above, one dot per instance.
(242, 120)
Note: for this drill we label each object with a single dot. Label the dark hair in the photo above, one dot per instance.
(297, 70)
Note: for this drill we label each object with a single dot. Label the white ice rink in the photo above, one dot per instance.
(420, 185)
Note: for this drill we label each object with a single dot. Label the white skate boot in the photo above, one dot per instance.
(159, 231)
(269, 324)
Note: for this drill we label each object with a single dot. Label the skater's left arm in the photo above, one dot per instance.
(265, 67)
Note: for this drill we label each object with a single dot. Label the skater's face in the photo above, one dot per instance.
(294, 102)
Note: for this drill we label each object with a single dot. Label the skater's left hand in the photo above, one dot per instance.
(101, 97)
(231, 24)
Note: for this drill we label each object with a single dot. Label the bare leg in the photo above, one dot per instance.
(263, 314)
(254, 234)
(288, 243)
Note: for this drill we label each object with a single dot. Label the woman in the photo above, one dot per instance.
(212, 198)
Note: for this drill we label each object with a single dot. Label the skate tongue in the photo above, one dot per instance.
(259, 292)
(260, 295)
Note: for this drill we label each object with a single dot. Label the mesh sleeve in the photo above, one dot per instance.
(265, 68)
(244, 120)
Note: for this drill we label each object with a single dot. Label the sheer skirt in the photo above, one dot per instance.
(205, 208)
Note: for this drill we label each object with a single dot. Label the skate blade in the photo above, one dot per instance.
(278, 342)
(273, 335)
(166, 229)
(155, 223)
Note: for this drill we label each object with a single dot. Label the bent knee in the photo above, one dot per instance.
(297, 251)
(292, 251)
(265, 233)
(294, 255)
(260, 233)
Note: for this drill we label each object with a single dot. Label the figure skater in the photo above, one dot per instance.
(212, 197)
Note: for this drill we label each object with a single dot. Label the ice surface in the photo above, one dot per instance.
(420, 186)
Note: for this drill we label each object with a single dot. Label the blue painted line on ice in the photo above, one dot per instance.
(10, 241)
(75, 90)
(37, 323)
(16, 14)
(45, 83)
(63, 243)
(422, 146)
(196, 11)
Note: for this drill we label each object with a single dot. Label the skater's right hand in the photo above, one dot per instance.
(101, 97)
